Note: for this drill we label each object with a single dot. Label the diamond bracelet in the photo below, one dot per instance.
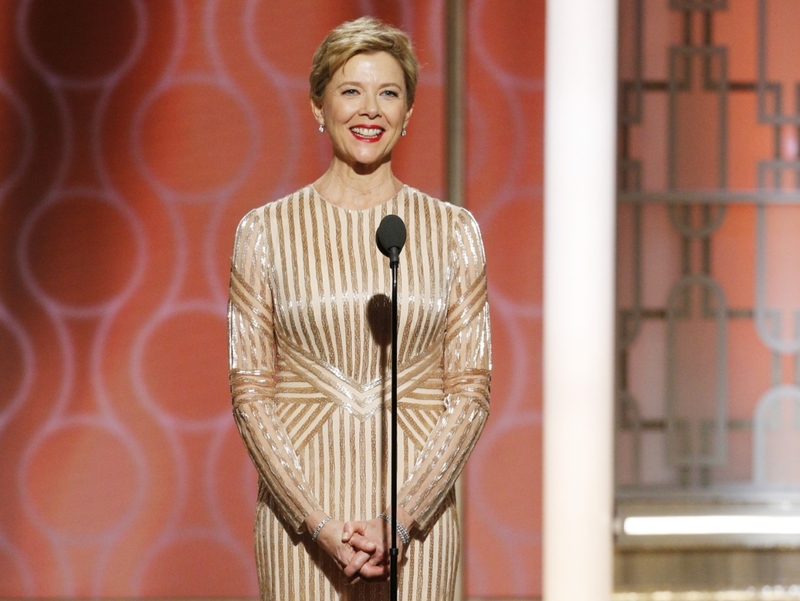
(324, 521)
(405, 537)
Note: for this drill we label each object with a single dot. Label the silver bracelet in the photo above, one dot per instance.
(324, 521)
(405, 537)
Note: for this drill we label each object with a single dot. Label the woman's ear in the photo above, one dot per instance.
(408, 116)
(317, 112)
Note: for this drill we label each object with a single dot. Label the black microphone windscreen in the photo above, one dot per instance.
(391, 234)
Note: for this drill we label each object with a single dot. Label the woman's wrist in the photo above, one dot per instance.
(312, 521)
(402, 532)
(319, 527)
(403, 517)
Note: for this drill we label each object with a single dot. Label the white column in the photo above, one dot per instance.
(579, 225)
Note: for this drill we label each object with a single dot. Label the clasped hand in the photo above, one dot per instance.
(361, 548)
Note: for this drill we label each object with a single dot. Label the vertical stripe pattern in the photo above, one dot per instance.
(309, 345)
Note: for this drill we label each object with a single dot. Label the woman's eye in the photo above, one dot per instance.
(391, 93)
(350, 92)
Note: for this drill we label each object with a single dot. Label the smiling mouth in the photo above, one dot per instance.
(369, 134)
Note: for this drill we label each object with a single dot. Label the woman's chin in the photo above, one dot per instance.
(370, 164)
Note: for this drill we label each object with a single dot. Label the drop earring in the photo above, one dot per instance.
(321, 128)
(403, 133)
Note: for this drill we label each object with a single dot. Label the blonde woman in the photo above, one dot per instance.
(308, 357)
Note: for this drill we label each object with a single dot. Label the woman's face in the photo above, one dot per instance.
(364, 109)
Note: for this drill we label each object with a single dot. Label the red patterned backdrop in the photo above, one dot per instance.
(133, 135)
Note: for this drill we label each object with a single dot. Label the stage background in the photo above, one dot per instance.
(133, 136)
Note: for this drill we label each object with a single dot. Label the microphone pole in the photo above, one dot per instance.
(390, 238)
(394, 551)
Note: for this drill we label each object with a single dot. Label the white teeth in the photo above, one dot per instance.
(366, 132)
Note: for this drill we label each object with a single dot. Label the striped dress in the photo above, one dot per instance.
(310, 379)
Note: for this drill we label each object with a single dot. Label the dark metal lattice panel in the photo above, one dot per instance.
(709, 249)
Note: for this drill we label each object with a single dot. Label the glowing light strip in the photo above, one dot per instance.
(672, 525)
(768, 593)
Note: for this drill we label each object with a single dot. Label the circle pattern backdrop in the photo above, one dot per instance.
(134, 137)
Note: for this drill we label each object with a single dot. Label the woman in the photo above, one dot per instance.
(309, 375)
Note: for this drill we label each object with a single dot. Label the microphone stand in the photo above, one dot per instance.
(394, 260)
(390, 238)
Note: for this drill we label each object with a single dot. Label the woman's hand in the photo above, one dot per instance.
(375, 534)
(365, 535)
(333, 541)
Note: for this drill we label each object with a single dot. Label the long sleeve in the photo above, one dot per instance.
(467, 373)
(252, 359)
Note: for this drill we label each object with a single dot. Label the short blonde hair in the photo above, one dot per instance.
(362, 36)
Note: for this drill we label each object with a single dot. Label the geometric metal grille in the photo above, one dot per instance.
(708, 247)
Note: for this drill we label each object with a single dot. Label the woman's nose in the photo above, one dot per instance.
(370, 106)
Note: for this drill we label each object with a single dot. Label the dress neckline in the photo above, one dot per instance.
(397, 194)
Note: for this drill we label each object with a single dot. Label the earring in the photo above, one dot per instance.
(403, 133)
(321, 128)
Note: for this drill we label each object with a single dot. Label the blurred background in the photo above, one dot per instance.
(708, 231)
(133, 136)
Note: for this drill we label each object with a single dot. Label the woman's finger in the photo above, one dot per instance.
(352, 570)
(362, 543)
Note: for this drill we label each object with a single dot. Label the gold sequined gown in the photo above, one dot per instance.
(309, 348)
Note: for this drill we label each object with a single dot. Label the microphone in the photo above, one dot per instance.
(390, 237)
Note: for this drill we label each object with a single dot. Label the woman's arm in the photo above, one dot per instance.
(252, 355)
(467, 372)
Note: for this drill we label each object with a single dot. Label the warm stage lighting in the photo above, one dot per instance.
(688, 525)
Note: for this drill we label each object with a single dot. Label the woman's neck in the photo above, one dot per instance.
(347, 188)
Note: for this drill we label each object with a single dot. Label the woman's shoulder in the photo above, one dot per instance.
(262, 216)
(270, 207)
(289, 199)
(456, 214)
